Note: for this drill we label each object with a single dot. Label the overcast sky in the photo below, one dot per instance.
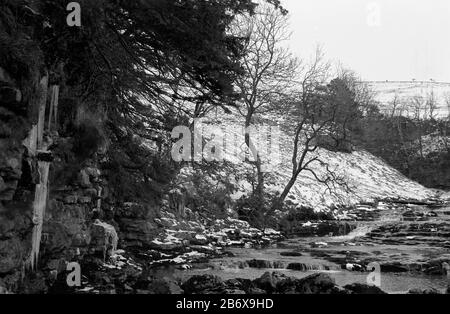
(407, 39)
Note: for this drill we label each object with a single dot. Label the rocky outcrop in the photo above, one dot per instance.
(136, 224)
(18, 177)
(274, 282)
(104, 236)
(358, 288)
(204, 284)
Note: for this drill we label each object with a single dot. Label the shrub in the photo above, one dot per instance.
(88, 138)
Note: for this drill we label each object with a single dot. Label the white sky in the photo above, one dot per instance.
(408, 39)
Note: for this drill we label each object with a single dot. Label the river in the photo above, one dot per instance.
(409, 242)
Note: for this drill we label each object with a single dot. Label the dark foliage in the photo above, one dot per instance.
(401, 142)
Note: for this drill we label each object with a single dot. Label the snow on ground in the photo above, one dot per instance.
(386, 91)
(367, 177)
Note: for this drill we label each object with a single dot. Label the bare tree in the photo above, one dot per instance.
(446, 124)
(417, 107)
(314, 118)
(419, 112)
(394, 106)
(431, 105)
(270, 69)
(447, 103)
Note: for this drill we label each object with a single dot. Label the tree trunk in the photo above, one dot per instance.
(259, 190)
(286, 191)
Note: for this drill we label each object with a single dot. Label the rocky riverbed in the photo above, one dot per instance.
(410, 243)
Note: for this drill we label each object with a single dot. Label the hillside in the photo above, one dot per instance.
(385, 92)
(366, 177)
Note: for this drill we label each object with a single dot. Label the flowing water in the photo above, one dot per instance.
(411, 242)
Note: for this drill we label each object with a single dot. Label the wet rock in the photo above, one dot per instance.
(34, 283)
(199, 239)
(353, 267)
(3, 185)
(317, 283)
(297, 266)
(44, 156)
(104, 238)
(319, 228)
(66, 226)
(278, 265)
(256, 263)
(204, 284)
(5, 76)
(164, 286)
(314, 284)
(426, 291)
(291, 254)
(91, 192)
(269, 281)
(136, 224)
(12, 253)
(254, 290)
(167, 242)
(57, 238)
(3, 290)
(83, 179)
(240, 284)
(10, 95)
(393, 268)
(57, 265)
(84, 200)
(305, 267)
(359, 288)
(92, 172)
(70, 199)
(234, 291)
(10, 170)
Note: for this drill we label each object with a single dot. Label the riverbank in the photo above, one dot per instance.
(408, 241)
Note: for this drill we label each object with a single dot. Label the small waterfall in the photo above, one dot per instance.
(360, 231)
(313, 267)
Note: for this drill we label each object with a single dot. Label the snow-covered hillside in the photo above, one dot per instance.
(368, 178)
(385, 92)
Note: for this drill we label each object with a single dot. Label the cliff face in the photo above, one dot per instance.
(55, 207)
(18, 177)
(51, 204)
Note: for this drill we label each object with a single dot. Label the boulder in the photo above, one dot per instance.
(104, 238)
(359, 288)
(204, 284)
(258, 263)
(316, 284)
(297, 266)
(12, 253)
(291, 254)
(393, 268)
(10, 95)
(137, 232)
(426, 291)
(83, 179)
(70, 199)
(164, 286)
(269, 281)
(10, 172)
